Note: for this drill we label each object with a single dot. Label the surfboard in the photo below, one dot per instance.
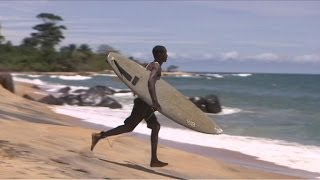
(174, 104)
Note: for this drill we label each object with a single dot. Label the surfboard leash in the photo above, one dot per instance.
(144, 119)
(147, 119)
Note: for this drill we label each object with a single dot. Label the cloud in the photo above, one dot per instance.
(16, 35)
(308, 58)
(267, 8)
(140, 55)
(267, 57)
(23, 6)
(266, 44)
(230, 55)
(148, 55)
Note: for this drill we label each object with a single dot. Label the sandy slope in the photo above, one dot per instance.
(37, 143)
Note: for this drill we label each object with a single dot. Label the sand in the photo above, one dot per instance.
(38, 143)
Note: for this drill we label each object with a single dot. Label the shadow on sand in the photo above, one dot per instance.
(141, 168)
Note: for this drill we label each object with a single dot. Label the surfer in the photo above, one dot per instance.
(142, 110)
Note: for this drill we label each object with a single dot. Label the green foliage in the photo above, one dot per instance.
(48, 17)
(49, 33)
(38, 53)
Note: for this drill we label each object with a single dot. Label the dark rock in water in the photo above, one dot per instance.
(213, 104)
(109, 102)
(6, 81)
(51, 100)
(64, 90)
(200, 102)
(95, 96)
(101, 90)
(209, 104)
(80, 91)
(71, 99)
(90, 99)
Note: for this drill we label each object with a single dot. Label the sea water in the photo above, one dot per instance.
(274, 117)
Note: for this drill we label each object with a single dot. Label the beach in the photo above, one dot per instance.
(39, 143)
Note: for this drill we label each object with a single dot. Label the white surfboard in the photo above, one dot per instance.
(174, 105)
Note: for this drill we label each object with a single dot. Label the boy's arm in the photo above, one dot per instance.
(152, 86)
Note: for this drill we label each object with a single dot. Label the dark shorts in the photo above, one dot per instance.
(140, 111)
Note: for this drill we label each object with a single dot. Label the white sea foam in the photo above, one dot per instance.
(123, 94)
(279, 152)
(108, 75)
(186, 75)
(242, 75)
(118, 90)
(49, 87)
(30, 81)
(76, 77)
(229, 110)
(214, 75)
(33, 75)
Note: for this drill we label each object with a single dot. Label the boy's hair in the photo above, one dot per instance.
(158, 49)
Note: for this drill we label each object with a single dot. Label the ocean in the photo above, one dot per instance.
(273, 117)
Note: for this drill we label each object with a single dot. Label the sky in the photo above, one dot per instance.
(206, 36)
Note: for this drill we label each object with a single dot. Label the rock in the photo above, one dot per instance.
(6, 81)
(28, 97)
(109, 102)
(51, 100)
(101, 90)
(95, 96)
(80, 91)
(71, 99)
(64, 90)
(213, 104)
(208, 104)
(200, 102)
(90, 99)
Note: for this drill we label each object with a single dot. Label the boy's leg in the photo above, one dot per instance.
(137, 114)
(154, 125)
(129, 124)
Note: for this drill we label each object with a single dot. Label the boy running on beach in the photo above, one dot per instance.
(142, 110)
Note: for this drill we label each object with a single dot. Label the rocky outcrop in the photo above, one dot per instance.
(99, 96)
(213, 104)
(208, 104)
(64, 90)
(94, 96)
(51, 100)
(200, 102)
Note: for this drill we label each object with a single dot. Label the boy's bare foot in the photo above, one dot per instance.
(158, 163)
(95, 138)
